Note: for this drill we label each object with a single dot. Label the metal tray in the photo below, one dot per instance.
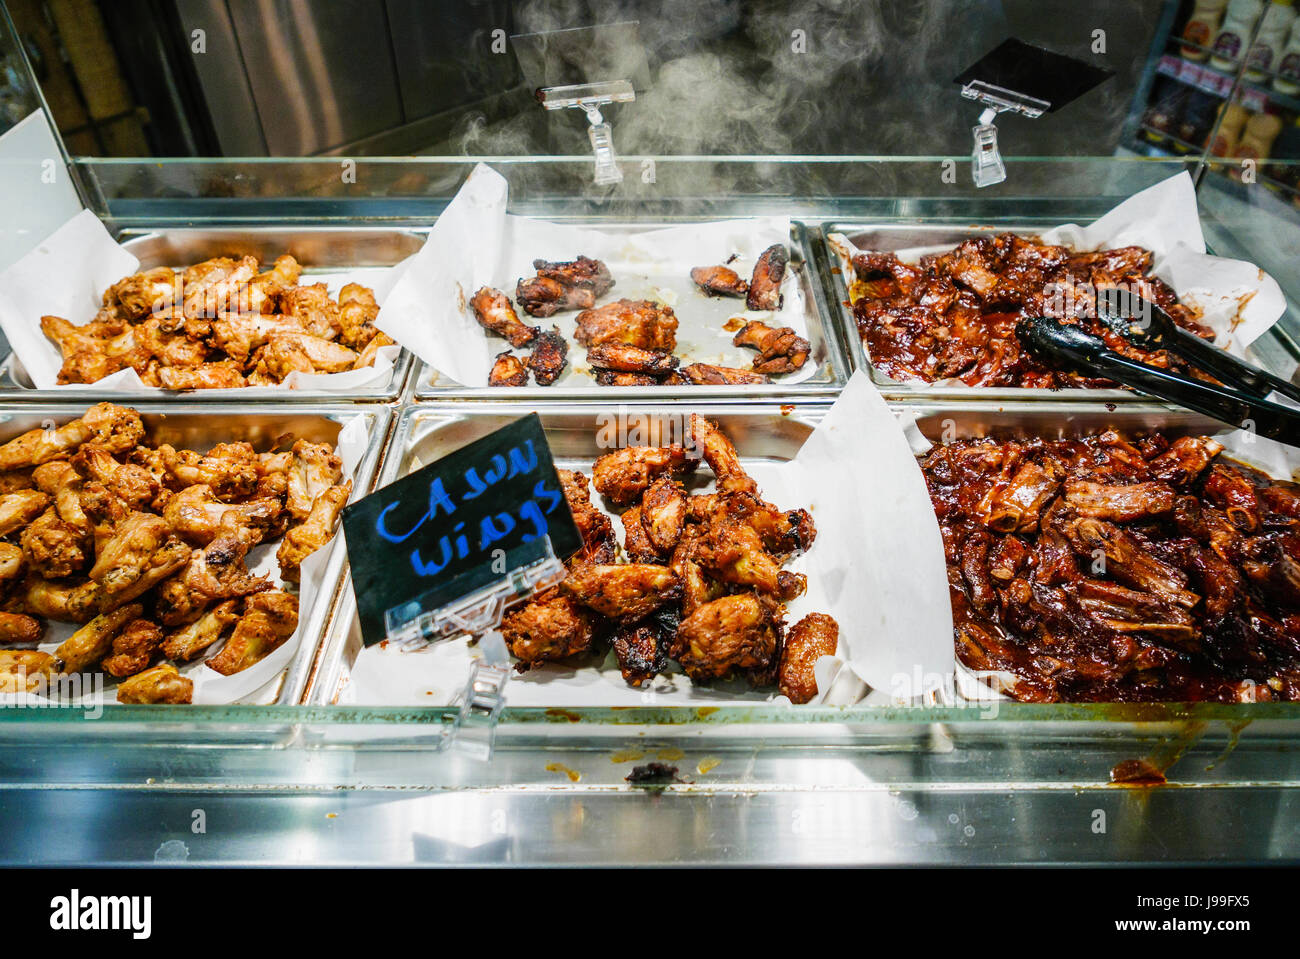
(319, 249)
(903, 236)
(762, 431)
(829, 350)
(201, 427)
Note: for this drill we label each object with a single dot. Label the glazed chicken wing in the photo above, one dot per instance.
(548, 357)
(702, 374)
(269, 619)
(779, 350)
(719, 281)
(623, 358)
(583, 273)
(639, 323)
(814, 636)
(623, 592)
(542, 296)
(495, 314)
(765, 284)
(508, 370)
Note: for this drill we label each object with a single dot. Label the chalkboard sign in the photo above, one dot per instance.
(458, 525)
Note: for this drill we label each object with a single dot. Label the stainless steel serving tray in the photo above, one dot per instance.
(319, 249)
(761, 431)
(890, 237)
(200, 427)
(828, 349)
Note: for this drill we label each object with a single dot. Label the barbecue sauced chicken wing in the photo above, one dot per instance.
(639, 323)
(779, 350)
(220, 325)
(814, 636)
(719, 281)
(703, 374)
(624, 358)
(494, 313)
(622, 476)
(583, 273)
(765, 285)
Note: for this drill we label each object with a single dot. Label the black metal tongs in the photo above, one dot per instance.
(1240, 402)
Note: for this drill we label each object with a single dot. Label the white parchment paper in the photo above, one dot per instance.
(876, 566)
(475, 243)
(210, 687)
(67, 275)
(1237, 300)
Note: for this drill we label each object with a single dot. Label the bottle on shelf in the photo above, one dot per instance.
(1288, 68)
(1233, 117)
(1257, 141)
(1270, 40)
(1238, 24)
(1197, 120)
(1201, 28)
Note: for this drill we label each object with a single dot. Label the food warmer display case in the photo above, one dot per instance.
(371, 755)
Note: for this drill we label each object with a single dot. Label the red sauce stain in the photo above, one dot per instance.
(1136, 772)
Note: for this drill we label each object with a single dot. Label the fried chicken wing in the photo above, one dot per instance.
(553, 626)
(623, 358)
(719, 281)
(187, 643)
(222, 375)
(765, 285)
(19, 508)
(135, 296)
(116, 428)
(814, 636)
(198, 516)
(12, 562)
(68, 602)
(548, 357)
(495, 314)
(508, 370)
(727, 634)
(598, 542)
(92, 642)
(721, 456)
(268, 620)
(314, 469)
(314, 531)
(779, 350)
(642, 648)
(133, 649)
(639, 323)
(217, 286)
(133, 485)
(239, 335)
(19, 628)
(357, 312)
(161, 685)
(623, 592)
(53, 548)
(25, 670)
(232, 470)
(622, 476)
(663, 513)
(611, 378)
(636, 542)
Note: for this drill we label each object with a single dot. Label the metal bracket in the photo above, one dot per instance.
(589, 97)
(987, 167)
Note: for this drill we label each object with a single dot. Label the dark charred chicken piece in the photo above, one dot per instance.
(642, 648)
(765, 284)
(596, 529)
(639, 323)
(702, 374)
(493, 311)
(814, 636)
(779, 350)
(508, 370)
(548, 357)
(719, 281)
(582, 273)
(610, 378)
(541, 296)
(623, 358)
